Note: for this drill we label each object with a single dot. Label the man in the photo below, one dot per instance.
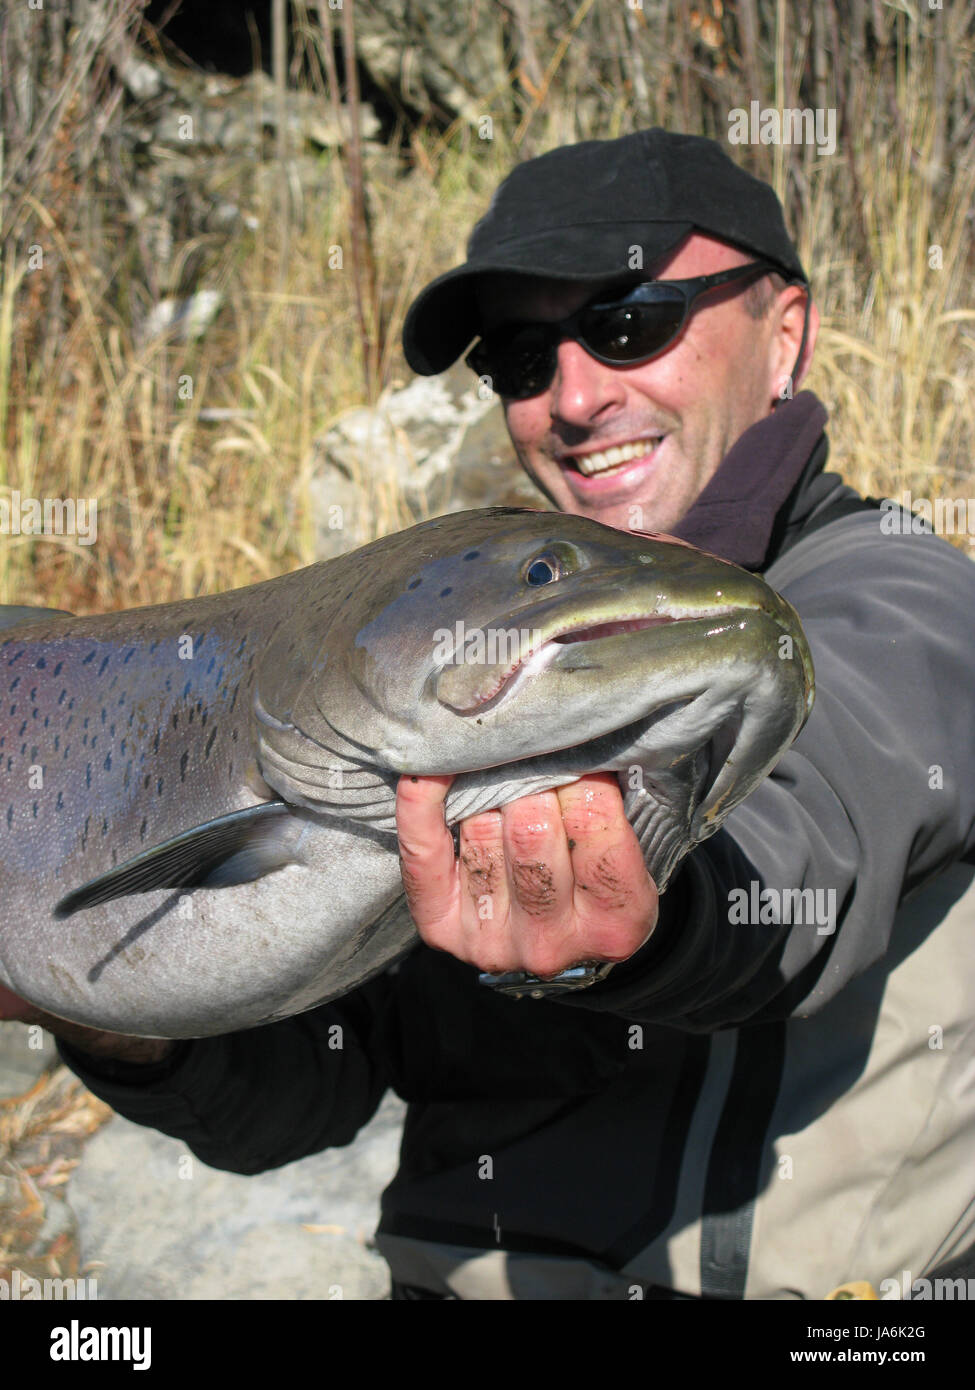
(746, 1106)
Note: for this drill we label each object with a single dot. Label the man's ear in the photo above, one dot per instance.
(788, 366)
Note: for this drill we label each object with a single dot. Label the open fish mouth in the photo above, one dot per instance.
(592, 634)
(467, 695)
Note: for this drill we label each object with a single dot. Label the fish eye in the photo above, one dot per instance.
(544, 569)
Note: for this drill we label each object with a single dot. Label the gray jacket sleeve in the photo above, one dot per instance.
(874, 798)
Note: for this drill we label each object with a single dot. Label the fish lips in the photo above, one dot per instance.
(664, 690)
(475, 685)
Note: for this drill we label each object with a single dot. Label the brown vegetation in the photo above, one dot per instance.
(203, 491)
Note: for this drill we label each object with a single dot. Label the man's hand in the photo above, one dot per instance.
(543, 884)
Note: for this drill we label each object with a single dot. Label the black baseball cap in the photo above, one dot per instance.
(577, 212)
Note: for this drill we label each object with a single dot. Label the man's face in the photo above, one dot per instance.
(684, 409)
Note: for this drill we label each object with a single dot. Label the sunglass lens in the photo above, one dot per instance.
(518, 362)
(633, 332)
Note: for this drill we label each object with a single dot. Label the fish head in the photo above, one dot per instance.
(541, 640)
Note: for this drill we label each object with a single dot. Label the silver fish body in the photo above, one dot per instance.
(197, 829)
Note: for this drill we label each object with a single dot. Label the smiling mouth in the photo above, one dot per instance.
(607, 460)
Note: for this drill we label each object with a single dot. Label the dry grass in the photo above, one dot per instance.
(895, 362)
(188, 505)
(41, 1137)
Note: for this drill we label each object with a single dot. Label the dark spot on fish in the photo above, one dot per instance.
(34, 809)
(233, 735)
(186, 689)
(142, 829)
(10, 816)
(103, 665)
(571, 844)
(14, 683)
(415, 584)
(40, 663)
(182, 766)
(63, 694)
(155, 742)
(472, 555)
(209, 744)
(108, 762)
(104, 826)
(159, 787)
(175, 720)
(146, 780)
(88, 775)
(13, 710)
(445, 592)
(57, 669)
(128, 656)
(59, 804)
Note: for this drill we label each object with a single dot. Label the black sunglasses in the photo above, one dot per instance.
(519, 359)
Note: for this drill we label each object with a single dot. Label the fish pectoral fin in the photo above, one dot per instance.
(236, 848)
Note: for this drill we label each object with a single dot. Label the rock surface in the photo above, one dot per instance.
(156, 1223)
(147, 1220)
(438, 442)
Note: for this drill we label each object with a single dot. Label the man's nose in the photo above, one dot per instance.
(583, 389)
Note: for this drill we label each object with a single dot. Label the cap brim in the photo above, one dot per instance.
(444, 318)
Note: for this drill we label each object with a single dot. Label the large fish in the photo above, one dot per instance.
(197, 819)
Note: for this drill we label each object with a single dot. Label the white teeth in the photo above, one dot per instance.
(599, 461)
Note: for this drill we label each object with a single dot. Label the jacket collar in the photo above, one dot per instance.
(765, 487)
